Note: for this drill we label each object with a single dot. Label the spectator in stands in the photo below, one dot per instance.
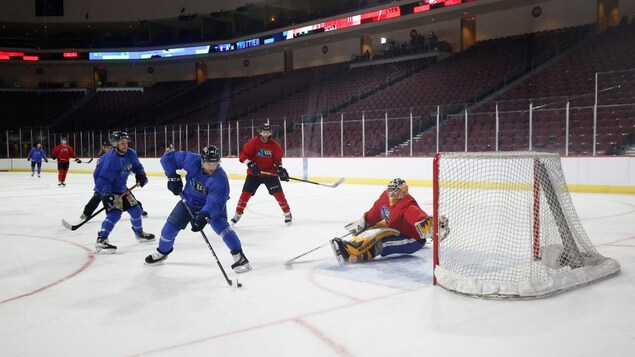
(367, 55)
(169, 148)
(432, 38)
(417, 42)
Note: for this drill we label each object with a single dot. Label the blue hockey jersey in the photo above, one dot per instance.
(208, 193)
(37, 154)
(112, 171)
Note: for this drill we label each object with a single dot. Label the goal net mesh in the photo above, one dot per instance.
(514, 232)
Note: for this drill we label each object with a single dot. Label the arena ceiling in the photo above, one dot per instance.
(187, 27)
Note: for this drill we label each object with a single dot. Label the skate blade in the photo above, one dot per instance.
(142, 240)
(338, 254)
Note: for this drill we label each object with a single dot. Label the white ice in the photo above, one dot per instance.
(59, 299)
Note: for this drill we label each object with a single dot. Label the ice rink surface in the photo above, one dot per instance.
(59, 299)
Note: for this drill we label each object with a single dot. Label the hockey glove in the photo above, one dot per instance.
(175, 184)
(78, 161)
(109, 201)
(357, 226)
(254, 168)
(28, 159)
(46, 160)
(199, 222)
(142, 179)
(283, 174)
(53, 157)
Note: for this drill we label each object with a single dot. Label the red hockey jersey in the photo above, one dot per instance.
(63, 153)
(266, 155)
(401, 216)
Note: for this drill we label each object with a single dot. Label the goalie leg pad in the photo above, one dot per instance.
(363, 247)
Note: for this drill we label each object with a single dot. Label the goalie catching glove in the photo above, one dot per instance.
(426, 231)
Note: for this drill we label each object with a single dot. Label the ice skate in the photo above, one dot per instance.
(38, 176)
(59, 184)
(288, 218)
(158, 257)
(241, 263)
(143, 237)
(32, 173)
(144, 214)
(339, 249)
(236, 218)
(103, 247)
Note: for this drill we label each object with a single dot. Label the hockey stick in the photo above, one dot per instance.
(290, 261)
(74, 227)
(89, 161)
(229, 281)
(333, 185)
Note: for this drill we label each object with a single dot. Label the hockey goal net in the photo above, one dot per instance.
(514, 232)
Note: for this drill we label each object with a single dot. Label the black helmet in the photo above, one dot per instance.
(264, 127)
(118, 135)
(210, 154)
(106, 143)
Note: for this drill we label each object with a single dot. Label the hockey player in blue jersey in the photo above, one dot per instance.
(206, 193)
(36, 155)
(111, 175)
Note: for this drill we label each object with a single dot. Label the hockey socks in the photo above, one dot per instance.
(242, 203)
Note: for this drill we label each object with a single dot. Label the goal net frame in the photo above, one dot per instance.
(547, 253)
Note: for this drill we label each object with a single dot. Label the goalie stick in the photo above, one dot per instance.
(74, 227)
(229, 281)
(333, 185)
(289, 262)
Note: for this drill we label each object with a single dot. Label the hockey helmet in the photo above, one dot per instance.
(210, 154)
(118, 136)
(106, 143)
(264, 127)
(396, 190)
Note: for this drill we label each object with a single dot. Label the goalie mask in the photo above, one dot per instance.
(396, 190)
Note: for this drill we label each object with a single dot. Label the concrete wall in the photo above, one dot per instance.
(583, 174)
(555, 14)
